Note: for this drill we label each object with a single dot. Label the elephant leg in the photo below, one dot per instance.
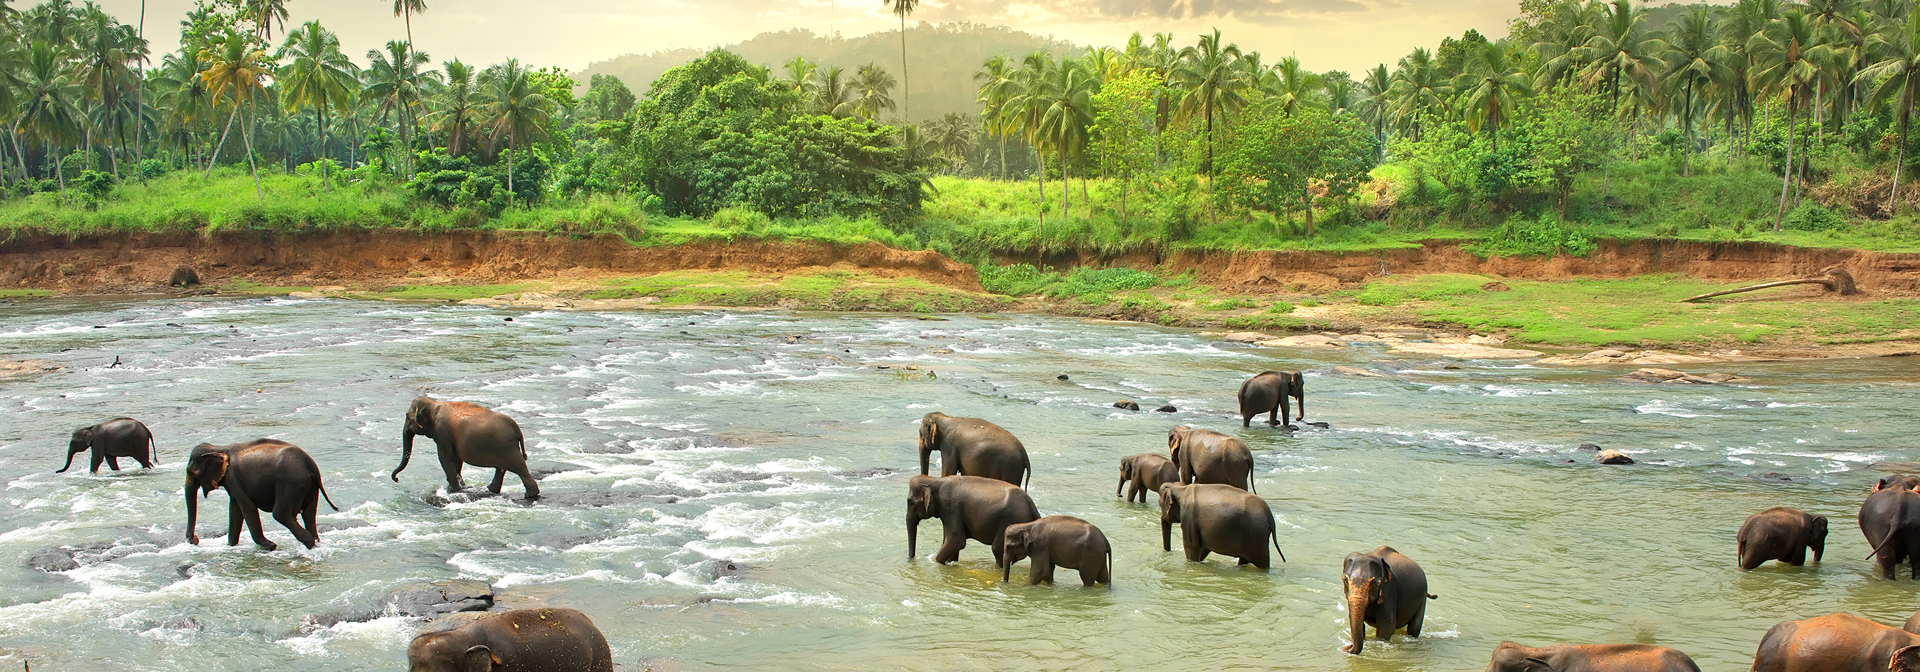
(499, 479)
(308, 513)
(1039, 568)
(452, 467)
(252, 516)
(287, 513)
(1247, 420)
(113, 463)
(97, 459)
(142, 459)
(1272, 417)
(234, 521)
(526, 481)
(950, 545)
(1799, 557)
(1887, 561)
(1419, 619)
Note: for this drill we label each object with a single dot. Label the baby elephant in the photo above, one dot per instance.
(1386, 590)
(1836, 643)
(1781, 534)
(1148, 472)
(262, 474)
(1220, 519)
(112, 440)
(1059, 541)
(522, 640)
(1511, 657)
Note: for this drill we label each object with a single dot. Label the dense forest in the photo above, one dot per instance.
(1593, 119)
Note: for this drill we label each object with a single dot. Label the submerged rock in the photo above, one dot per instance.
(1126, 405)
(1465, 351)
(1166, 409)
(53, 560)
(1355, 372)
(1611, 456)
(1671, 377)
(720, 569)
(1307, 341)
(1588, 447)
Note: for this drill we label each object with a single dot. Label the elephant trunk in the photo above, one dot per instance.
(1006, 575)
(1121, 485)
(193, 512)
(406, 452)
(70, 453)
(1166, 534)
(926, 457)
(1357, 618)
(1302, 396)
(913, 536)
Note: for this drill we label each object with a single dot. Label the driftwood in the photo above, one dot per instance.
(1837, 280)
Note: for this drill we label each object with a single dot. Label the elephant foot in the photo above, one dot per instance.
(270, 547)
(1271, 423)
(1350, 649)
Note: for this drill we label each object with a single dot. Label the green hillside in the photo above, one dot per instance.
(943, 56)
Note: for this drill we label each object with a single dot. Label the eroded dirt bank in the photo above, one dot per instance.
(130, 263)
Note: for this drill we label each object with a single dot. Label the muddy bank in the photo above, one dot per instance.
(1880, 272)
(134, 262)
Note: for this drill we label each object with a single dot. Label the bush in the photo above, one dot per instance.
(1016, 279)
(1810, 216)
(152, 168)
(94, 186)
(1546, 237)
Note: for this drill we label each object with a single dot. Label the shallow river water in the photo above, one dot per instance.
(679, 438)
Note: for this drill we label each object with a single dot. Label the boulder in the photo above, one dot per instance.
(1464, 351)
(1671, 377)
(54, 560)
(1588, 448)
(1611, 456)
(183, 276)
(1307, 341)
(1126, 405)
(1245, 337)
(434, 598)
(1166, 409)
(1355, 372)
(721, 569)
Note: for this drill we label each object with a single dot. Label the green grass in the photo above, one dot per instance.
(822, 290)
(1635, 311)
(23, 293)
(447, 292)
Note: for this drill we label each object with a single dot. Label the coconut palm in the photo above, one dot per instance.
(396, 81)
(1417, 89)
(184, 97)
(872, 91)
(902, 8)
(1489, 87)
(263, 14)
(406, 9)
(103, 55)
(237, 69)
(1341, 94)
(1896, 69)
(997, 89)
(456, 106)
(1787, 57)
(48, 105)
(1621, 52)
(1695, 61)
(1293, 86)
(800, 79)
(1568, 26)
(1374, 107)
(1206, 74)
(1068, 114)
(953, 133)
(833, 94)
(319, 77)
(515, 109)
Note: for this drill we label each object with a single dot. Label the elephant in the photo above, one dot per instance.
(1220, 519)
(1207, 456)
(1267, 393)
(1781, 534)
(1059, 541)
(1913, 623)
(1147, 471)
(112, 440)
(468, 434)
(969, 507)
(973, 447)
(522, 640)
(1835, 643)
(1511, 657)
(1891, 520)
(1387, 590)
(262, 474)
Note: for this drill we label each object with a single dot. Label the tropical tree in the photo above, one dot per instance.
(1417, 89)
(406, 9)
(263, 14)
(456, 106)
(396, 82)
(48, 105)
(1695, 61)
(1622, 49)
(317, 76)
(1293, 86)
(1489, 87)
(1068, 114)
(1206, 74)
(1787, 58)
(997, 90)
(902, 8)
(1374, 105)
(515, 109)
(833, 95)
(872, 91)
(238, 69)
(1896, 70)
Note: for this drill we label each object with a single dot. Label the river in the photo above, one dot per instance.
(777, 441)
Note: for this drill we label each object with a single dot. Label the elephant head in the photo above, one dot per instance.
(1177, 440)
(1365, 582)
(453, 651)
(1817, 536)
(923, 502)
(420, 420)
(1298, 385)
(1905, 660)
(1127, 471)
(930, 438)
(1511, 657)
(1017, 540)
(81, 441)
(206, 470)
(1902, 482)
(1170, 495)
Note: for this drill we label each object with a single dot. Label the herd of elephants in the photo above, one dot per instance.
(1204, 484)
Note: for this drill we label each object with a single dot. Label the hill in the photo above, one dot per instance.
(943, 58)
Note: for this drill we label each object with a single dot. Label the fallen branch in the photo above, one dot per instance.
(1838, 280)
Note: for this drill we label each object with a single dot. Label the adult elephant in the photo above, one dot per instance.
(1059, 541)
(259, 475)
(1835, 643)
(1268, 393)
(1207, 456)
(1511, 657)
(1220, 519)
(1891, 520)
(969, 507)
(973, 447)
(468, 434)
(110, 441)
(1781, 534)
(1147, 472)
(1386, 590)
(522, 640)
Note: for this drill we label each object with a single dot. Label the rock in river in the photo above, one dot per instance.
(1126, 405)
(1611, 456)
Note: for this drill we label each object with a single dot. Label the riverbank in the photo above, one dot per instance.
(1624, 294)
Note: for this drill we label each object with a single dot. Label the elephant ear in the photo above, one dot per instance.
(211, 468)
(479, 659)
(1905, 660)
(1386, 571)
(1538, 664)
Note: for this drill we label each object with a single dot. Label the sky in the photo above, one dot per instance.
(1351, 35)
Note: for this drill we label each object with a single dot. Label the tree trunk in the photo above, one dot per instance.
(223, 139)
(1786, 171)
(140, 106)
(1042, 175)
(320, 154)
(1905, 119)
(906, 89)
(246, 137)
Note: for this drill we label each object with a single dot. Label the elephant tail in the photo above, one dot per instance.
(1893, 527)
(1029, 478)
(323, 493)
(153, 449)
(1273, 531)
(1432, 596)
(522, 440)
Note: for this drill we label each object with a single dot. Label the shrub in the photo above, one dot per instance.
(1518, 237)
(1016, 279)
(1810, 216)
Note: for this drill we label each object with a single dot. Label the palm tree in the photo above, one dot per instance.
(1787, 58)
(184, 97)
(799, 79)
(515, 109)
(833, 94)
(1568, 26)
(263, 13)
(396, 81)
(1068, 114)
(1374, 106)
(1417, 89)
(872, 91)
(1340, 94)
(1028, 107)
(456, 106)
(1206, 73)
(997, 89)
(953, 134)
(47, 101)
(1695, 60)
(1489, 86)
(1293, 86)
(102, 55)
(237, 68)
(318, 77)
(406, 9)
(1897, 71)
(902, 8)
(1621, 49)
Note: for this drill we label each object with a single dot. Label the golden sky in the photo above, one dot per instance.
(1325, 34)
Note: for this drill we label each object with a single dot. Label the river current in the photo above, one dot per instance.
(669, 440)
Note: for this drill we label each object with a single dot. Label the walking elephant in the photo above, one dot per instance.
(1207, 456)
(1147, 472)
(468, 434)
(1220, 519)
(1511, 657)
(1386, 590)
(1059, 541)
(259, 475)
(1836, 643)
(973, 447)
(1781, 534)
(1891, 520)
(110, 441)
(969, 507)
(1268, 393)
(522, 640)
